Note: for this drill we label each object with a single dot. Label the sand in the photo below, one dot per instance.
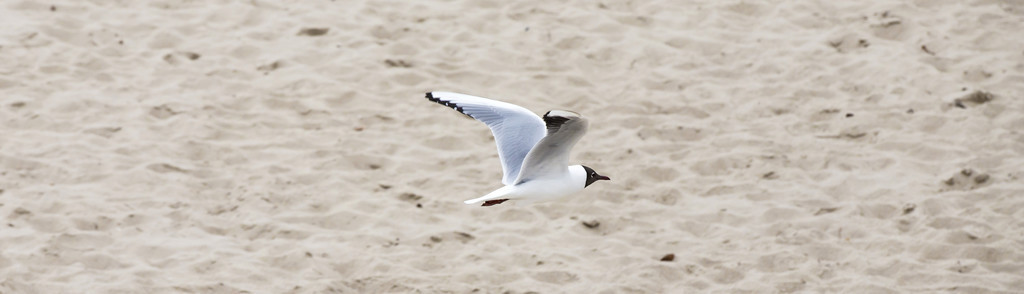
(285, 147)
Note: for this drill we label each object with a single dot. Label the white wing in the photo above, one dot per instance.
(551, 155)
(515, 129)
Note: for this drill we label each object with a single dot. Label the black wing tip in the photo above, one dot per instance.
(564, 112)
(449, 104)
(554, 122)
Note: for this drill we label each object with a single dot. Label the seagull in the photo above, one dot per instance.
(534, 151)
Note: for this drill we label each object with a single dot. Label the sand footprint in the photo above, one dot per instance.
(967, 179)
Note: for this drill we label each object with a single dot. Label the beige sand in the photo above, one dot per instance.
(235, 147)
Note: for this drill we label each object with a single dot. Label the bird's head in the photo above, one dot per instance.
(592, 176)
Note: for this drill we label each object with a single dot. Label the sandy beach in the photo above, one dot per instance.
(286, 147)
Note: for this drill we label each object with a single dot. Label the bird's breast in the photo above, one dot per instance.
(548, 188)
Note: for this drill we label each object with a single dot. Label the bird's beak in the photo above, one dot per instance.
(604, 178)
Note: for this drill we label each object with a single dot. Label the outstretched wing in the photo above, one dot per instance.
(551, 155)
(516, 130)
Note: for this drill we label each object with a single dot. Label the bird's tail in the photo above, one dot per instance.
(496, 194)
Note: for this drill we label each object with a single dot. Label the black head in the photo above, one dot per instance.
(592, 176)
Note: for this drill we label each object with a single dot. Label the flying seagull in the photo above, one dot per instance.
(534, 152)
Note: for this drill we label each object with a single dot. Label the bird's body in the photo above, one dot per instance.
(549, 188)
(534, 151)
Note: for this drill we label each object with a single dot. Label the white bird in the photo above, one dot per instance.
(534, 152)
